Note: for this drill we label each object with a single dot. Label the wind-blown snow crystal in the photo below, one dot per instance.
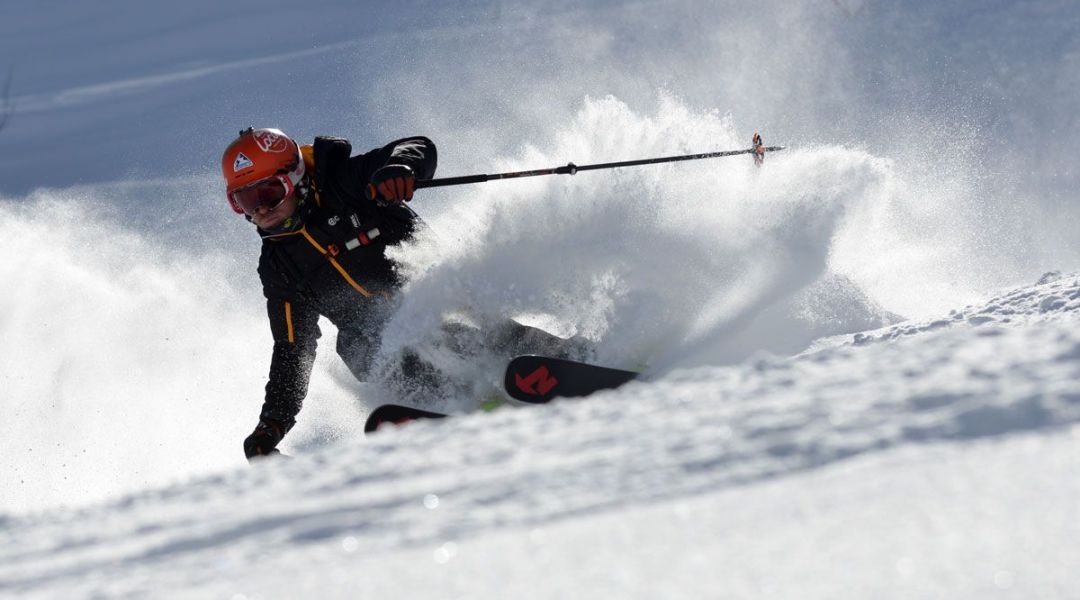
(662, 266)
(136, 343)
(655, 264)
(126, 360)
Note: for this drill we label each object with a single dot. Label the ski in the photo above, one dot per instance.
(538, 379)
(395, 414)
(530, 379)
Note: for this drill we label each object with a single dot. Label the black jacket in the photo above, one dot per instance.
(335, 265)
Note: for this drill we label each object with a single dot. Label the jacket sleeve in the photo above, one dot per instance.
(340, 175)
(295, 327)
(417, 153)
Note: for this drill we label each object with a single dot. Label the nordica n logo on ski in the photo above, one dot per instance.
(537, 383)
(548, 376)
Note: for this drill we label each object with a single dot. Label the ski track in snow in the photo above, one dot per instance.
(689, 433)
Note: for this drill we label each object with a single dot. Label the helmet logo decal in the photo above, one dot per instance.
(271, 142)
(241, 162)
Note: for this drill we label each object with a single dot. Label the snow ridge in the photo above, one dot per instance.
(1053, 295)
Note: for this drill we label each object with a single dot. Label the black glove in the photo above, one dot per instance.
(394, 183)
(264, 440)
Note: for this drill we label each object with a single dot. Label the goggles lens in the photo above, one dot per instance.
(268, 194)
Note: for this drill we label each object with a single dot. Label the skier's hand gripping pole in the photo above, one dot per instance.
(392, 183)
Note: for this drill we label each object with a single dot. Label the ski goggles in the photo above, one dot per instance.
(267, 194)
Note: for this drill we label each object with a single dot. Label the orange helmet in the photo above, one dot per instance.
(262, 167)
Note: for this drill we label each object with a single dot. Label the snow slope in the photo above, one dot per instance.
(839, 400)
(934, 460)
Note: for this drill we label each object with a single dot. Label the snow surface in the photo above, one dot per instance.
(862, 360)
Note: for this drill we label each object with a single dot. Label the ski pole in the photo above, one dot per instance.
(570, 169)
(758, 150)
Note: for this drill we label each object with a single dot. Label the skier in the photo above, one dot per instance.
(326, 219)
